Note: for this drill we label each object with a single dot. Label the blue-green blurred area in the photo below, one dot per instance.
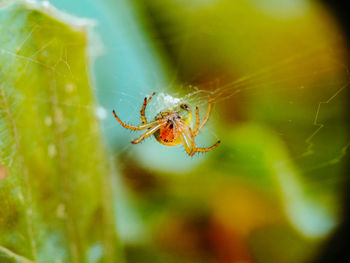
(271, 192)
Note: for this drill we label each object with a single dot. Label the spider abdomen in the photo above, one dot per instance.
(167, 135)
(167, 132)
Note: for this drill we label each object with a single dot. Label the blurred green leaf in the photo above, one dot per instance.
(54, 181)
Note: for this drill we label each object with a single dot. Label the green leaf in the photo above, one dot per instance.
(55, 186)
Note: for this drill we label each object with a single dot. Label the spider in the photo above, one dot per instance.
(170, 128)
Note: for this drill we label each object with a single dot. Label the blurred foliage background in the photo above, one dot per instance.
(272, 191)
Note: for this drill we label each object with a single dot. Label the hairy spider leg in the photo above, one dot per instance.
(148, 133)
(142, 111)
(189, 144)
(197, 120)
(135, 128)
(209, 148)
(204, 121)
(189, 112)
(186, 138)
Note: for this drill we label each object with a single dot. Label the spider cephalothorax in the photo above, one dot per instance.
(172, 128)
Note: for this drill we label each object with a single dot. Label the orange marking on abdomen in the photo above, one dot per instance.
(166, 133)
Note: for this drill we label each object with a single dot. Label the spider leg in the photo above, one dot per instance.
(135, 128)
(207, 149)
(148, 133)
(189, 112)
(197, 121)
(196, 131)
(187, 140)
(142, 112)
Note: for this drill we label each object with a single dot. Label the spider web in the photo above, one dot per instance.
(122, 81)
(251, 83)
(170, 93)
